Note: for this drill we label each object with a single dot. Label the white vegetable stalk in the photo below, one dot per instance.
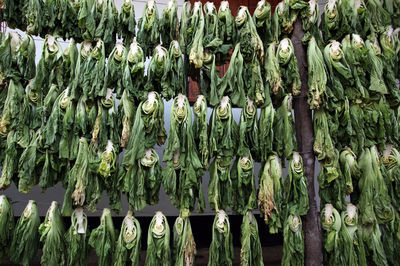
(331, 5)
(159, 227)
(210, 7)
(224, 6)
(28, 209)
(80, 221)
(221, 220)
(351, 211)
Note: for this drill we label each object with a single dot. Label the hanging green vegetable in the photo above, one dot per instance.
(323, 144)
(93, 77)
(70, 59)
(6, 227)
(251, 251)
(127, 22)
(133, 79)
(169, 23)
(317, 76)
(183, 173)
(270, 194)
(196, 36)
(158, 238)
(77, 238)
(26, 59)
(288, 67)
(266, 131)
(391, 168)
(243, 182)
(52, 233)
(263, 22)
(283, 20)
(148, 35)
(9, 49)
(351, 238)
(334, 24)
(129, 242)
(248, 131)
(226, 25)
(155, 72)
(310, 16)
(296, 199)
(211, 41)
(331, 223)
(106, 22)
(350, 170)
(376, 69)
(25, 240)
(200, 129)
(126, 114)
(379, 17)
(104, 238)
(81, 66)
(293, 242)
(284, 136)
(174, 80)
(220, 187)
(183, 37)
(184, 248)
(223, 134)
(114, 70)
(374, 248)
(33, 17)
(28, 174)
(221, 248)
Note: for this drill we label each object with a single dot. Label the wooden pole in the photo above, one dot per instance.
(305, 140)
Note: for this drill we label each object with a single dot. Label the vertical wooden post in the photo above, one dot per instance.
(305, 140)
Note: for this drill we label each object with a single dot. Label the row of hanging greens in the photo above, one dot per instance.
(355, 97)
(20, 242)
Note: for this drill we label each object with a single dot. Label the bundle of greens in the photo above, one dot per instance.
(183, 37)
(208, 80)
(200, 129)
(106, 23)
(69, 61)
(28, 173)
(26, 59)
(283, 128)
(183, 173)
(223, 132)
(211, 41)
(6, 227)
(360, 19)
(242, 175)
(273, 80)
(104, 238)
(296, 193)
(81, 65)
(115, 69)
(351, 239)
(255, 89)
(156, 70)
(266, 131)
(376, 83)
(173, 81)
(379, 17)
(293, 242)
(351, 171)
(390, 170)
(148, 35)
(196, 36)
(33, 17)
(126, 115)
(169, 23)
(129, 242)
(391, 239)
(133, 78)
(251, 251)
(283, 20)
(77, 238)
(184, 247)
(127, 22)
(248, 131)
(263, 22)
(310, 16)
(220, 187)
(331, 223)
(288, 67)
(158, 238)
(9, 49)
(52, 233)
(232, 83)
(93, 76)
(148, 129)
(270, 194)
(25, 240)
(317, 76)
(251, 45)
(226, 25)
(374, 248)
(334, 24)
(68, 23)
(323, 144)
(13, 13)
(221, 248)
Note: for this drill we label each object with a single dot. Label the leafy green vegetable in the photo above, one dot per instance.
(242, 175)
(377, 82)
(270, 193)
(25, 240)
(263, 22)
(155, 72)
(317, 76)
(6, 227)
(226, 24)
(334, 22)
(70, 59)
(184, 25)
(266, 131)
(81, 66)
(133, 79)
(248, 131)
(183, 173)
(283, 20)
(27, 172)
(104, 238)
(331, 223)
(158, 238)
(9, 53)
(169, 23)
(126, 113)
(184, 248)
(373, 244)
(296, 193)
(221, 248)
(148, 35)
(33, 17)
(220, 187)
(115, 70)
(200, 129)
(129, 242)
(196, 31)
(26, 59)
(288, 67)
(251, 251)
(390, 170)
(293, 241)
(284, 137)
(77, 238)
(211, 41)
(52, 233)
(127, 22)
(310, 16)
